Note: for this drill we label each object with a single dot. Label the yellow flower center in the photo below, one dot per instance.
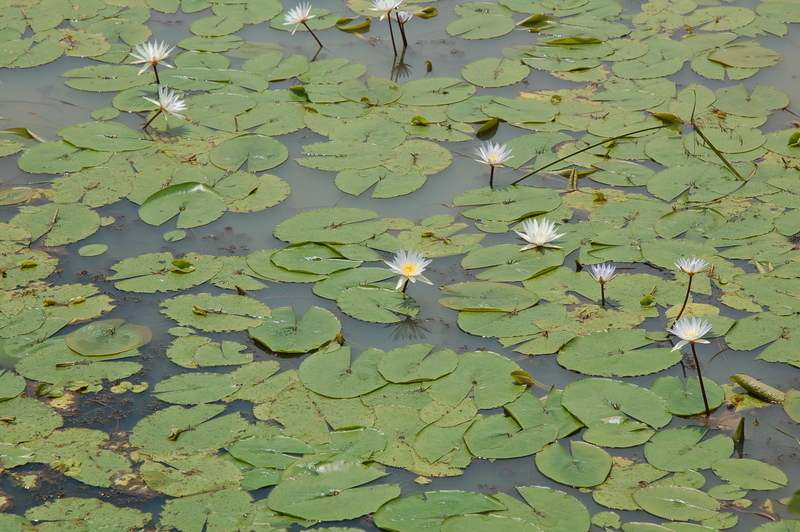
(409, 270)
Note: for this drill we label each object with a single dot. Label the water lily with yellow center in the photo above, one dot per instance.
(409, 265)
(539, 234)
(168, 103)
(603, 273)
(690, 267)
(691, 331)
(386, 7)
(493, 154)
(300, 14)
(151, 54)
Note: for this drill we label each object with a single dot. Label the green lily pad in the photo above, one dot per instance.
(182, 431)
(375, 304)
(484, 376)
(549, 509)
(481, 26)
(261, 263)
(258, 151)
(616, 353)
(81, 514)
(59, 224)
(583, 466)
(29, 419)
(507, 263)
(104, 136)
(680, 449)
(494, 72)
(336, 225)
(92, 250)
(11, 385)
(591, 400)
(195, 388)
(282, 333)
(417, 362)
(675, 502)
(750, 474)
(376, 91)
(508, 205)
(220, 313)
(485, 296)
(686, 399)
(108, 337)
(435, 91)
(427, 511)
(312, 258)
(331, 374)
(214, 511)
(189, 475)
(331, 492)
(160, 272)
(195, 204)
(199, 352)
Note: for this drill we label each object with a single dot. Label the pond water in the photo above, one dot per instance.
(275, 377)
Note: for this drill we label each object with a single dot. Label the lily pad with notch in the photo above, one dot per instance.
(488, 296)
(680, 449)
(195, 204)
(676, 502)
(195, 388)
(686, 398)
(104, 136)
(334, 225)
(200, 352)
(376, 304)
(416, 362)
(338, 482)
(283, 333)
(482, 375)
(56, 364)
(592, 399)
(309, 257)
(509, 204)
(160, 272)
(549, 509)
(425, 511)
(108, 337)
(583, 466)
(507, 263)
(258, 151)
(333, 375)
(616, 353)
(750, 474)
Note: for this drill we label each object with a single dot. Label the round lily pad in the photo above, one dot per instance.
(591, 400)
(495, 72)
(258, 151)
(583, 466)
(281, 332)
(336, 225)
(225, 312)
(681, 449)
(675, 502)
(92, 250)
(750, 474)
(194, 204)
(686, 398)
(108, 337)
(375, 304)
(331, 374)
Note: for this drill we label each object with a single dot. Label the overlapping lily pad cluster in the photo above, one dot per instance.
(708, 184)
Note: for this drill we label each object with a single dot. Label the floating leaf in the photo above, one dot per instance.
(108, 337)
(72, 513)
(195, 388)
(491, 72)
(675, 502)
(258, 151)
(418, 362)
(750, 474)
(375, 304)
(332, 493)
(584, 466)
(220, 313)
(615, 353)
(680, 449)
(104, 136)
(591, 400)
(484, 376)
(425, 511)
(337, 225)
(282, 333)
(156, 272)
(195, 204)
(331, 374)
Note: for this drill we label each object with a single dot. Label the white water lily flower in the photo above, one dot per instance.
(603, 273)
(385, 6)
(691, 266)
(539, 234)
(403, 16)
(690, 331)
(409, 265)
(151, 54)
(168, 102)
(298, 15)
(493, 154)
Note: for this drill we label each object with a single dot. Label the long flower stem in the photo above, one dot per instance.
(700, 378)
(403, 35)
(603, 295)
(312, 34)
(153, 118)
(685, 300)
(155, 71)
(491, 177)
(391, 32)
(405, 285)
